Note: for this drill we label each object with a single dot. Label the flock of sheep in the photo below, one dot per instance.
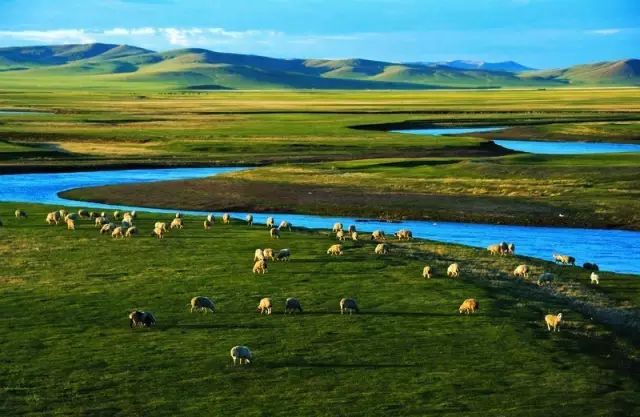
(125, 228)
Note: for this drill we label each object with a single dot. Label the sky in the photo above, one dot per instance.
(536, 33)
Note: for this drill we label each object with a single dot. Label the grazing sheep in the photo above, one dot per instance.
(453, 271)
(71, 216)
(381, 249)
(283, 254)
(258, 255)
(352, 228)
(160, 225)
(131, 231)
(285, 225)
(591, 267)
(340, 235)
(93, 215)
(203, 304)
(595, 278)
(141, 319)
(226, 218)
(211, 218)
(159, 233)
(101, 221)
(564, 259)
(470, 305)
(178, 215)
(553, 321)
(268, 254)
(116, 215)
(426, 272)
(249, 219)
(106, 228)
(521, 271)
(125, 224)
(117, 233)
(511, 248)
(545, 278)
(242, 353)
(404, 234)
(348, 305)
(126, 217)
(378, 235)
(335, 250)
(63, 213)
(354, 236)
(84, 214)
(134, 214)
(207, 224)
(176, 223)
(274, 233)
(270, 222)
(495, 249)
(260, 267)
(336, 227)
(103, 214)
(71, 224)
(20, 214)
(53, 217)
(292, 305)
(265, 306)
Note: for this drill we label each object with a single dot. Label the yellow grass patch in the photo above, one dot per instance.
(108, 149)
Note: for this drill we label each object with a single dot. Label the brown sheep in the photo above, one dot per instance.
(274, 233)
(260, 267)
(265, 306)
(470, 305)
(553, 321)
(335, 250)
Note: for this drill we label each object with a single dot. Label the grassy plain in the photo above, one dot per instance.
(68, 350)
(308, 141)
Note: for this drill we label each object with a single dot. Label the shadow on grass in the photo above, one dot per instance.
(304, 364)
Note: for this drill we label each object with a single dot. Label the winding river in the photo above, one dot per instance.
(613, 250)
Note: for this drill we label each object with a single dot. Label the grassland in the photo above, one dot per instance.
(334, 144)
(68, 350)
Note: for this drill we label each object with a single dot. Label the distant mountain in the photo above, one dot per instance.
(195, 68)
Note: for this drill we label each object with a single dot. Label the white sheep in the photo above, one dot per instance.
(454, 270)
(178, 215)
(176, 223)
(354, 236)
(207, 224)
(107, 228)
(204, 304)
(564, 259)
(265, 306)
(84, 214)
(553, 321)
(404, 234)
(63, 213)
(101, 221)
(160, 225)
(284, 225)
(117, 233)
(249, 219)
(381, 249)
(268, 254)
(352, 228)
(258, 255)
(336, 227)
(378, 235)
(270, 222)
(71, 224)
(335, 250)
(20, 214)
(260, 267)
(159, 233)
(292, 305)
(521, 271)
(595, 278)
(241, 353)
(211, 218)
(116, 215)
(426, 272)
(348, 305)
(71, 216)
(283, 254)
(131, 231)
(340, 235)
(53, 218)
(495, 249)
(274, 233)
(226, 218)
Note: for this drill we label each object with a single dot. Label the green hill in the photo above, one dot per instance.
(96, 64)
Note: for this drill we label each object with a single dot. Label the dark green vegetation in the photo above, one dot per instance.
(308, 141)
(68, 350)
(120, 66)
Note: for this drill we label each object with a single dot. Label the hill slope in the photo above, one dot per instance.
(194, 68)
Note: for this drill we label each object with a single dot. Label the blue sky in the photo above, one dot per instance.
(538, 33)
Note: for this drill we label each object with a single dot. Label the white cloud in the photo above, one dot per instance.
(605, 32)
(50, 36)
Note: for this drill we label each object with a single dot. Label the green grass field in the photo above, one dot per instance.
(68, 350)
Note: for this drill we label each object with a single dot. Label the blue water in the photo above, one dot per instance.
(567, 148)
(613, 250)
(448, 130)
(21, 112)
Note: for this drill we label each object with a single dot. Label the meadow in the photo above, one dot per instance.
(68, 349)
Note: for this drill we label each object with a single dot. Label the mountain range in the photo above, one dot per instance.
(194, 68)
